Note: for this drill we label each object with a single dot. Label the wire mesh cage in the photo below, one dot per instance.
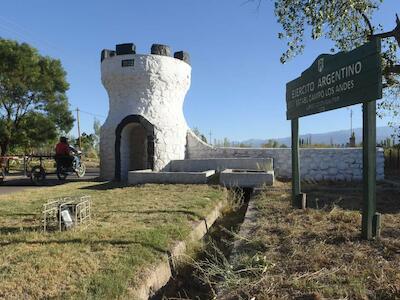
(66, 213)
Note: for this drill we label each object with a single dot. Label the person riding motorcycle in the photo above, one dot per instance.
(63, 153)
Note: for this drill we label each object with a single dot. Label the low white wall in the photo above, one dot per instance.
(219, 164)
(315, 163)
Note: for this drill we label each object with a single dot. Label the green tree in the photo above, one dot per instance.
(33, 104)
(244, 145)
(88, 143)
(226, 142)
(348, 24)
(343, 22)
(270, 144)
(201, 136)
(96, 129)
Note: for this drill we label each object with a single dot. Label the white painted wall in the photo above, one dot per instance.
(315, 163)
(155, 88)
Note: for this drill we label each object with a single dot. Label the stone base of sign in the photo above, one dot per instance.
(220, 164)
(148, 176)
(246, 178)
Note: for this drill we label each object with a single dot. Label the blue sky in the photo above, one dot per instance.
(238, 83)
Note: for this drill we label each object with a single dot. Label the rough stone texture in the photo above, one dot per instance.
(219, 164)
(182, 56)
(315, 164)
(123, 49)
(105, 53)
(158, 49)
(148, 176)
(154, 88)
(246, 178)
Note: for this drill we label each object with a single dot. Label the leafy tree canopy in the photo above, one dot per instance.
(33, 103)
(88, 142)
(342, 21)
(348, 23)
(201, 136)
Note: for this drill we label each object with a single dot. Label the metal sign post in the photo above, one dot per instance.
(296, 188)
(335, 81)
(370, 220)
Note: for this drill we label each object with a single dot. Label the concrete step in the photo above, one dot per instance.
(220, 164)
(149, 176)
(246, 178)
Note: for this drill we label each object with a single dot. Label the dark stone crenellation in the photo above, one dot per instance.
(105, 53)
(182, 55)
(158, 49)
(123, 49)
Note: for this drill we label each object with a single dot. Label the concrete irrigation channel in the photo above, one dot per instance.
(184, 282)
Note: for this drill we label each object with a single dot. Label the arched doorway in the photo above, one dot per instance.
(134, 146)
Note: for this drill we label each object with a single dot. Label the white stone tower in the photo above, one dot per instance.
(145, 127)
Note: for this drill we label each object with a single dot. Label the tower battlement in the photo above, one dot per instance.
(156, 49)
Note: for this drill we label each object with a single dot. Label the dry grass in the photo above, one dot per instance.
(133, 227)
(313, 254)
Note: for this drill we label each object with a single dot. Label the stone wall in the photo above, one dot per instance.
(315, 163)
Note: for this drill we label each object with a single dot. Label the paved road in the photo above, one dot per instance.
(15, 183)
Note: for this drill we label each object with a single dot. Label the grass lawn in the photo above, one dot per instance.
(132, 228)
(317, 253)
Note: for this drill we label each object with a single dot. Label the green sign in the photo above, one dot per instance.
(335, 81)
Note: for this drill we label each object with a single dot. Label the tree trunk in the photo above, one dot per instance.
(4, 147)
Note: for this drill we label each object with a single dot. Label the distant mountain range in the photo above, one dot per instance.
(335, 137)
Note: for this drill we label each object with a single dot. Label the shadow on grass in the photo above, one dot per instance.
(84, 242)
(160, 211)
(108, 185)
(351, 199)
(10, 230)
(18, 215)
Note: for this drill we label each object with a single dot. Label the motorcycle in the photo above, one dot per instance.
(64, 168)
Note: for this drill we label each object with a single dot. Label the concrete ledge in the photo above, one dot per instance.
(220, 164)
(159, 275)
(246, 178)
(148, 176)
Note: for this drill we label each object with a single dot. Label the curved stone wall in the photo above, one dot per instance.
(151, 86)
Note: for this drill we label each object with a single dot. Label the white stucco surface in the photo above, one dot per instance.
(155, 88)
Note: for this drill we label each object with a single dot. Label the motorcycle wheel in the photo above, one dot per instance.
(38, 175)
(81, 170)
